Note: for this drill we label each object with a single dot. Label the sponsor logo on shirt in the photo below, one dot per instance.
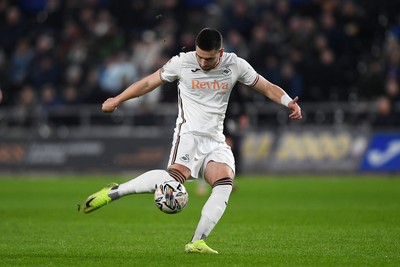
(212, 85)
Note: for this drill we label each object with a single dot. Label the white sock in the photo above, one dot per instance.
(212, 211)
(145, 183)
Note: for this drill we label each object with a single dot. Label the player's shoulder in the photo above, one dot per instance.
(185, 57)
(231, 57)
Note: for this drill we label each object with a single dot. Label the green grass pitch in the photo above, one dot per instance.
(271, 221)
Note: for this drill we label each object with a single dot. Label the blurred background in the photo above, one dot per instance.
(59, 60)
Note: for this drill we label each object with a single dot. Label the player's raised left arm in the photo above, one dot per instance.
(144, 86)
(277, 94)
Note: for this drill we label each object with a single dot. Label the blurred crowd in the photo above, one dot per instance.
(69, 52)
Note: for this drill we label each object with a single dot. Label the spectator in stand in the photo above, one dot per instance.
(90, 90)
(45, 67)
(371, 84)
(26, 112)
(384, 116)
(72, 48)
(240, 16)
(70, 95)
(106, 38)
(12, 29)
(259, 47)
(393, 58)
(117, 74)
(235, 43)
(49, 96)
(271, 69)
(325, 77)
(145, 52)
(392, 90)
(20, 62)
(4, 77)
(290, 79)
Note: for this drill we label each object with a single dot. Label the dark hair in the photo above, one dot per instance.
(209, 39)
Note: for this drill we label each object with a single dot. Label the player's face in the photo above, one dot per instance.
(208, 59)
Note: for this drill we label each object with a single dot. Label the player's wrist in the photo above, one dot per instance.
(285, 100)
(118, 100)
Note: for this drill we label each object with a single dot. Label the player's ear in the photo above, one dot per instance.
(221, 52)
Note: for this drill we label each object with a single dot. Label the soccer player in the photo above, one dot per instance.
(205, 77)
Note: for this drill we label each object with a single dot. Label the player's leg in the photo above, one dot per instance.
(145, 183)
(220, 176)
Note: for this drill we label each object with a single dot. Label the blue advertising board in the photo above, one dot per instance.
(383, 153)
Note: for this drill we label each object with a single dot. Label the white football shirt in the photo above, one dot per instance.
(203, 95)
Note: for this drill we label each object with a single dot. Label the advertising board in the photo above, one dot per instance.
(383, 153)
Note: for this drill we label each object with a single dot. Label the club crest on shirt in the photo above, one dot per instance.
(227, 71)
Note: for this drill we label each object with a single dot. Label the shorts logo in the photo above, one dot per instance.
(185, 158)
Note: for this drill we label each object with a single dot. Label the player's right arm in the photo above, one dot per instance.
(275, 93)
(142, 87)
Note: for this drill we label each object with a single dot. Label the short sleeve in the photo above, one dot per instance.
(247, 74)
(171, 70)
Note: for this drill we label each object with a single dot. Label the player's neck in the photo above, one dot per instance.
(216, 64)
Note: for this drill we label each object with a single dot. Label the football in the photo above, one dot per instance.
(171, 197)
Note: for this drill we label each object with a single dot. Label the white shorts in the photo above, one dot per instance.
(195, 151)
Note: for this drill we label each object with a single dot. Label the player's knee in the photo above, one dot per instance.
(177, 175)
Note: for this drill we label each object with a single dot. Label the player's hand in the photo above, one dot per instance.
(110, 105)
(296, 110)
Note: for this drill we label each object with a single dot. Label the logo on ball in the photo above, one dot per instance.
(171, 197)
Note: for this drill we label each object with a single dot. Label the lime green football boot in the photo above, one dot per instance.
(98, 199)
(199, 246)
